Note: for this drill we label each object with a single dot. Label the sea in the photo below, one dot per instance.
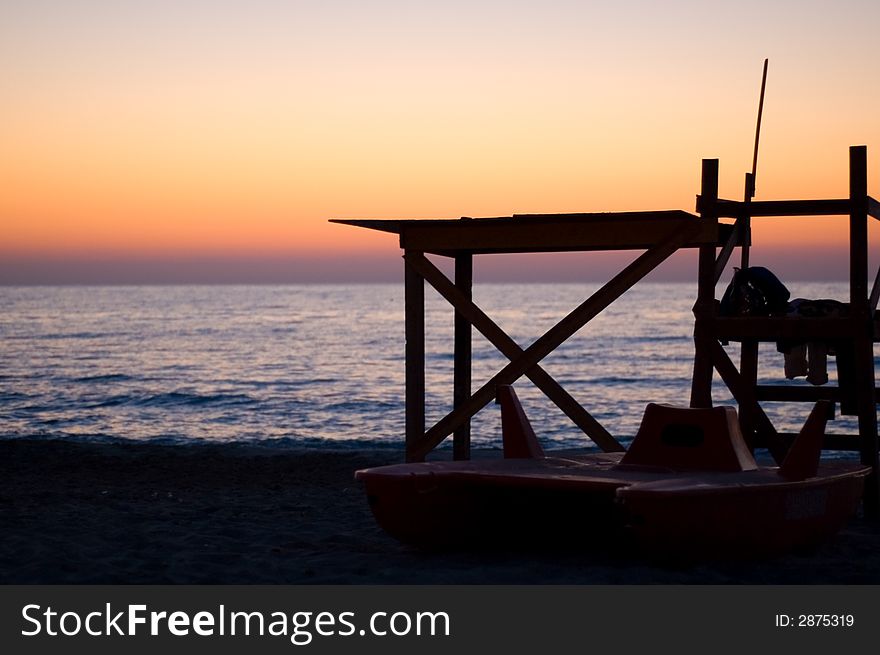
(323, 366)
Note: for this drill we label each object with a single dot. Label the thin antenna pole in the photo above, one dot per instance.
(744, 222)
(751, 190)
(748, 356)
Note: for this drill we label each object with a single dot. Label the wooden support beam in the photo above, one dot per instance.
(704, 309)
(858, 230)
(844, 442)
(791, 394)
(866, 402)
(745, 397)
(873, 208)
(414, 319)
(861, 316)
(559, 333)
(509, 348)
(745, 219)
(748, 370)
(724, 256)
(805, 394)
(875, 293)
(461, 386)
(736, 208)
(554, 233)
(774, 328)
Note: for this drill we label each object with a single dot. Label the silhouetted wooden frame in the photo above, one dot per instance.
(659, 234)
(860, 327)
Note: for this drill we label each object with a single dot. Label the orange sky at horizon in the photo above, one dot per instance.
(225, 129)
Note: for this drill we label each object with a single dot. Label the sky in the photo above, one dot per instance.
(211, 141)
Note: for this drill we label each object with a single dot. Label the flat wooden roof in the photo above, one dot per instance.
(545, 232)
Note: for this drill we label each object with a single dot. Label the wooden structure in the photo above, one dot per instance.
(853, 335)
(659, 234)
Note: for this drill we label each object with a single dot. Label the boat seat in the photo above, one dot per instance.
(689, 439)
(517, 434)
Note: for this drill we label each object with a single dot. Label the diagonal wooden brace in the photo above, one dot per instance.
(558, 334)
(732, 242)
(745, 396)
(510, 349)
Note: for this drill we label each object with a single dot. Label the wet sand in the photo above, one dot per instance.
(124, 514)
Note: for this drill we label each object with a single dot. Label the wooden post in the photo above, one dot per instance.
(858, 229)
(748, 360)
(748, 369)
(701, 385)
(414, 301)
(863, 340)
(745, 220)
(461, 389)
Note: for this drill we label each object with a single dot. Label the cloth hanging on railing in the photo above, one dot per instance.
(810, 358)
(756, 291)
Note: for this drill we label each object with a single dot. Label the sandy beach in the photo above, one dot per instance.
(203, 514)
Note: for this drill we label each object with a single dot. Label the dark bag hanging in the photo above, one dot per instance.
(754, 291)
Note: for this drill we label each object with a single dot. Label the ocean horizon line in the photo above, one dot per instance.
(364, 283)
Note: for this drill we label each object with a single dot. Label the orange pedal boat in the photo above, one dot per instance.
(687, 485)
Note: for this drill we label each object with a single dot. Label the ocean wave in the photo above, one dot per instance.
(183, 398)
(657, 338)
(109, 377)
(370, 405)
(615, 380)
(269, 444)
(439, 357)
(279, 384)
(112, 401)
(174, 399)
(295, 444)
(57, 336)
(12, 395)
